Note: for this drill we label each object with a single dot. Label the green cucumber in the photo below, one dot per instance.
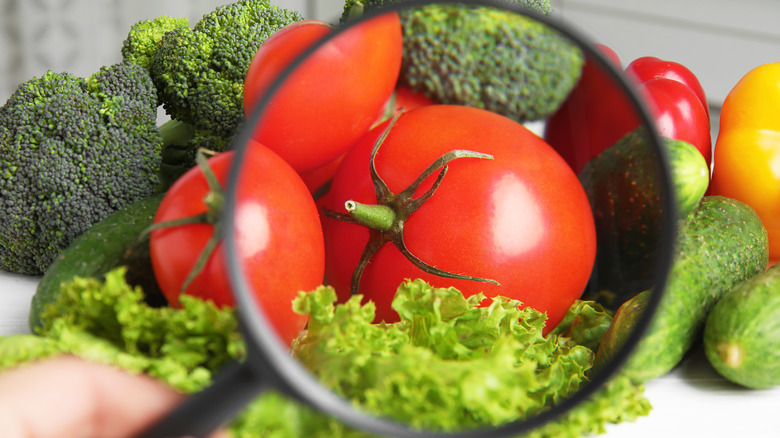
(622, 184)
(742, 332)
(110, 243)
(690, 174)
(721, 243)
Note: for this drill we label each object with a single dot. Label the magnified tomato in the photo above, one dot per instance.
(333, 97)
(517, 217)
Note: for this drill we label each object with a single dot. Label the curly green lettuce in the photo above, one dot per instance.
(483, 365)
(463, 349)
(109, 322)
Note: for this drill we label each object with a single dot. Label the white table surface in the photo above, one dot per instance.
(691, 401)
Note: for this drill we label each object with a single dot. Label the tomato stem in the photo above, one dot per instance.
(387, 217)
(377, 217)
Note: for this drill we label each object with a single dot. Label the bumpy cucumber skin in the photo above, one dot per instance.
(105, 245)
(721, 243)
(622, 184)
(742, 332)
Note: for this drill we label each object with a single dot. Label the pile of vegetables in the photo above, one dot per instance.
(419, 223)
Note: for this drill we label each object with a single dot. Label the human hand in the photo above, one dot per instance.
(70, 397)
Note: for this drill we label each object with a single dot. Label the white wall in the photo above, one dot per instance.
(79, 36)
(718, 39)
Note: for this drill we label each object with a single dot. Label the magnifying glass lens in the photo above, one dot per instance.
(435, 210)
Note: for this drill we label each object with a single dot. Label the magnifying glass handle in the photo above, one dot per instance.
(204, 412)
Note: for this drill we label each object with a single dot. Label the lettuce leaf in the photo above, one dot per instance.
(448, 364)
(585, 324)
(109, 322)
(451, 363)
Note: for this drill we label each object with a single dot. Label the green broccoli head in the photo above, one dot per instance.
(145, 36)
(485, 57)
(72, 151)
(355, 8)
(199, 72)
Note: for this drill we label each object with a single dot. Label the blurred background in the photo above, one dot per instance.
(719, 40)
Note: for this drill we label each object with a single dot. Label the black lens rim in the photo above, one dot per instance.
(270, 357)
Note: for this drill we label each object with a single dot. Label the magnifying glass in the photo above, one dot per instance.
(461, 171)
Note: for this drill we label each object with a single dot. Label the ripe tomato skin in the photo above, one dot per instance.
(278, 235)
(333, 97)
(407, 99)
(403, 99)
(296, 38)
(521, 219)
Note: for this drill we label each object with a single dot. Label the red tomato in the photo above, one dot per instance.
(407, 99)
(317, 178)
(278, 231)
(403, 99)
(521, 219)
(296, 38)
(333, 97)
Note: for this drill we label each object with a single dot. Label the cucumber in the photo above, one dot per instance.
(622, 186)
(742, 332)
(110, 243)
(690, 174)
(720, 244)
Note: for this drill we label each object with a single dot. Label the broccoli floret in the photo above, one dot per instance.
(199, 72)
(72, 151)
(145, 36)
(485, 57)
(355, 8)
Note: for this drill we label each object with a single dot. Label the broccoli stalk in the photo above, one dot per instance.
(181, 143)
(72, 151)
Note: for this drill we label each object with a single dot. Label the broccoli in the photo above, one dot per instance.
(72, 151)
(355, 8)
(181, 143)
(145, 36)
(199, 72)
(485, 57)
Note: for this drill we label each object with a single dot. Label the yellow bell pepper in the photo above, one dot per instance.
(747, 151)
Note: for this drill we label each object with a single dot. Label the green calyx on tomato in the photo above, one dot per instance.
(387, 217)
(214, 201)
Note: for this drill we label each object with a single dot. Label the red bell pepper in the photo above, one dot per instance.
(597, 112)
(677, 101)
(649, 67)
